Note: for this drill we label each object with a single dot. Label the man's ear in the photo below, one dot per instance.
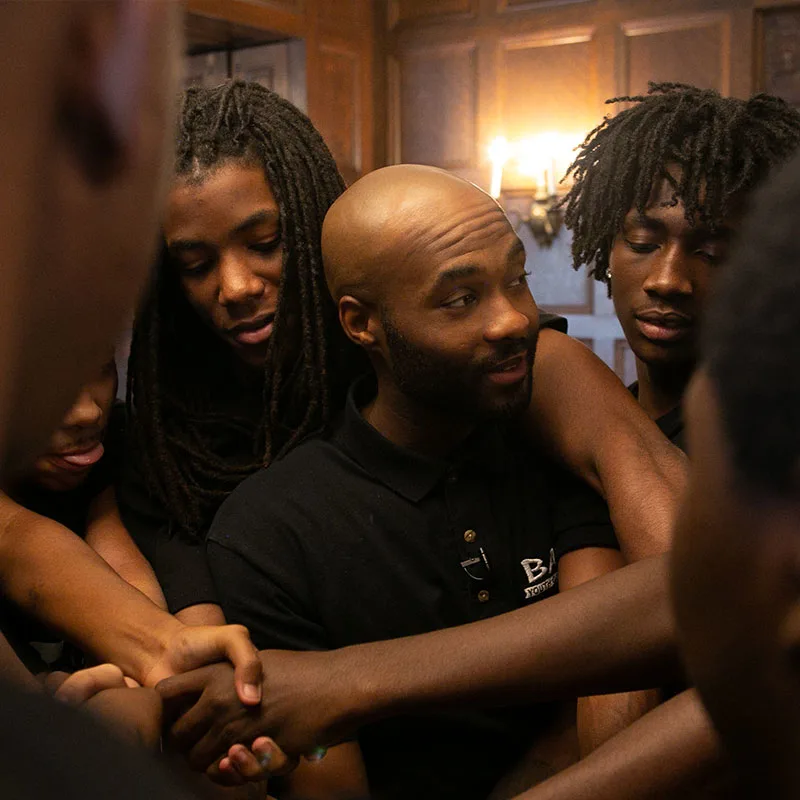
(359, 321)
(102, 82)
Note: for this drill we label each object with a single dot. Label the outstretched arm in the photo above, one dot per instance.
(583, 415)
(55, 576)
(615, 633)
(672, 752)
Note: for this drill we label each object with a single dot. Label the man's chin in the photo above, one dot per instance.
(512, 405)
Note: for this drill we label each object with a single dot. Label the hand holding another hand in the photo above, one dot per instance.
(297, 710)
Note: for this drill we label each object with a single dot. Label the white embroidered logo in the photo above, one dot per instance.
(537, 574)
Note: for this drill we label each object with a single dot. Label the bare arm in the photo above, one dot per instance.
(201, 614)
(583, 414)
(55, 576)
(107, 536)
(601, 716)
(615, 633)
(672, 752)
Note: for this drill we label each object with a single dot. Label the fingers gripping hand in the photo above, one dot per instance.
(198, 646)
(302, 707)
(85, 684)
(208, 713)
(264, 759)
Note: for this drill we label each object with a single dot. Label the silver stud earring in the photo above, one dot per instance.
(608, 274)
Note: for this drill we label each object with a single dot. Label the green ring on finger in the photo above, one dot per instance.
(317, 754)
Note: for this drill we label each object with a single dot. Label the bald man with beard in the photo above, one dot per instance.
(422, 509)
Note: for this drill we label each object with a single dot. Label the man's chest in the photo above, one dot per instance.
(468, 550)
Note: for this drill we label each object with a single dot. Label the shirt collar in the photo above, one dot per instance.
(671, 423)
(410, 474)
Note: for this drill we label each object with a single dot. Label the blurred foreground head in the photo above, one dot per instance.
(736, 563)
(86, 95)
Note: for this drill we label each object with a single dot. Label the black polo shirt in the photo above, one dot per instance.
(352, 539)
(180, 565)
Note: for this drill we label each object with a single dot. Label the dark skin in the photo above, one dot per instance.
(735, 590)
(662, 268)
(613, 634)
(358, 302)
(223, 233)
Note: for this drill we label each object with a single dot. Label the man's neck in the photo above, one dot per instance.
(407, 424)
(661, 389)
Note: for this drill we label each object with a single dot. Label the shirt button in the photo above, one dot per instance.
(470, 536)
(483, 596)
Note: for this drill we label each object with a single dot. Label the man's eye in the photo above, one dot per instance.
(461, 301)
(521, 280)
(194, 267)
(712, 258)
(266, 247)
(641, 247)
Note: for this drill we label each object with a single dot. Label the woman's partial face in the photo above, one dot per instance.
(77, 445)
(223, 234)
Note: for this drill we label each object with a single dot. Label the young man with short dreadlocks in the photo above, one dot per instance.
(659, 191)
(237, 354)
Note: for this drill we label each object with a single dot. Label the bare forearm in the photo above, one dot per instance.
(612, 634)
(602, 717)
(669, 753)
(59, 579)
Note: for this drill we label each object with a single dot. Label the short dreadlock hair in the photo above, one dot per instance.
(723, 148)
(190, 423)
(751, 343)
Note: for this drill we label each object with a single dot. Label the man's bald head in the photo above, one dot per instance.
(390, 215)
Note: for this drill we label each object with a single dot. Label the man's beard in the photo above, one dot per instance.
(439, 383)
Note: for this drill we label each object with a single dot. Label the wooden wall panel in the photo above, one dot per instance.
(778, 53)
(401, 11)
(548, 83)
(624, 362)
(341, 15)
(338, 108)
(411, 10)
(294, 6)
(684, 49)
(435, 97)
(534, 5)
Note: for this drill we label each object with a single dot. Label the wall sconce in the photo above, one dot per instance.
(530, 169)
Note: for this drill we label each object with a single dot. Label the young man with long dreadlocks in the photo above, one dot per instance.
(659, 192)
(237, 354)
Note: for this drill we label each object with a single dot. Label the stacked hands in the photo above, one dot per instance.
(211, 697)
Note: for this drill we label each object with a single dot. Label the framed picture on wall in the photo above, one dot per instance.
(778, 52)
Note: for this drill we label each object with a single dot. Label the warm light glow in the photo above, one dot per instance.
(499, 153)
(544, 157)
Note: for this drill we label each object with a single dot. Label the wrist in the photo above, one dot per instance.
(153, 659)
(364, 691)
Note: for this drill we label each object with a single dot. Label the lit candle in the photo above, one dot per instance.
(551, 185)
(498, 155)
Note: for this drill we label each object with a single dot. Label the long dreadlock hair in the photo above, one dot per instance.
(723, 148)
(190, 426)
